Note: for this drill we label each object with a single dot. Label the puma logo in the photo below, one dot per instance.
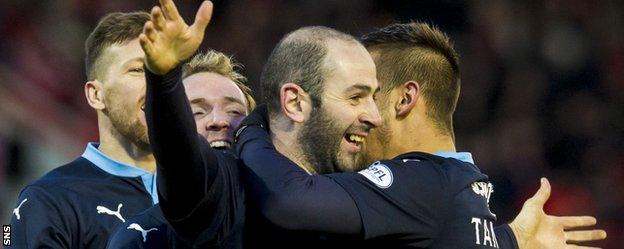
(144, 232)
(105, 210)
(16, 211)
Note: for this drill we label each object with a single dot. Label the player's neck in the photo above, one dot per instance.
(422, 137)
(284, 138)
(120, 149)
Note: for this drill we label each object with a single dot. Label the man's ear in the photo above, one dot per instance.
(94, 92)
(295, 102)
(410, 92)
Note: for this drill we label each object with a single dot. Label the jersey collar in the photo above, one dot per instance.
(117, 168)
(462, 156)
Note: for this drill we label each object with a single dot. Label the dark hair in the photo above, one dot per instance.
(298, 58)
(114, 28)
(422, 53)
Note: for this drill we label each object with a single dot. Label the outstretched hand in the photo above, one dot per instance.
(534, 228)
(167, 40)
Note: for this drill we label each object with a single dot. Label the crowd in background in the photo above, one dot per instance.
(542, 86)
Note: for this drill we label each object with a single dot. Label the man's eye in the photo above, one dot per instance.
(198, 114)
(235, 112)
(136, 70)
(355, 98)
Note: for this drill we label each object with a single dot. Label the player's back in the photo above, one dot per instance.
(469, 221)
(419, 200)
(77, 205)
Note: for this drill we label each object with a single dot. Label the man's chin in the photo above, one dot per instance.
(349, 163)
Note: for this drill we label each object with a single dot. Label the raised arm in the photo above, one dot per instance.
(186, 164)
(284, 193)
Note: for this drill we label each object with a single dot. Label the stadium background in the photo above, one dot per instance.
(542, 86)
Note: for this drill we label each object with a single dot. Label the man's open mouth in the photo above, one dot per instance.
(220, 145)
(354, 138)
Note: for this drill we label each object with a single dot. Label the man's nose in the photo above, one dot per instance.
(218, 122)
(372, 116)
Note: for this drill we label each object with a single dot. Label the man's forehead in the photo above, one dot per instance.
(127, 50)
(209, 85)
(352, 80)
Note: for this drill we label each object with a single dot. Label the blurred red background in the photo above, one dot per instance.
(542, 86)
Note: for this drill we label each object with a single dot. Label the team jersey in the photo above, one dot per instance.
(79, 204)
(416, 200)
(148, 229)
(422, 200)
(199, 187)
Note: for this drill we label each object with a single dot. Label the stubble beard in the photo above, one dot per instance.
(320, 139)
(318, 142)
(130, 128)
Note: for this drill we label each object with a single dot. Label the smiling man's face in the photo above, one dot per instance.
(335, 132)
(218, 107)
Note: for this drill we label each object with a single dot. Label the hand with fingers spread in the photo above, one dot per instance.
(534, 229)
(167, 40)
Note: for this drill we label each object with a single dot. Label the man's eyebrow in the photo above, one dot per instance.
(228, 99)
(363, 87)
(197, 100)
(232, 99)
(133, 60)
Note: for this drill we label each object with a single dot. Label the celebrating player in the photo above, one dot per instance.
(78, 205)
(210, 208)
(199, 187)
(310, 65)
(213, 88)
(427, 196)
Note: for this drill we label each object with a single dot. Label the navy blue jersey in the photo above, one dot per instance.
(423, 201)
(78, 205)
(199, 187)
(148, 229)
(416, 200)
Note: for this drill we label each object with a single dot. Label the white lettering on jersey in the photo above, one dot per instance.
(484, 189)
(105, 210)
(16, 211)
(477, 224)
(379, 174)
(144, 232)
(485, 227)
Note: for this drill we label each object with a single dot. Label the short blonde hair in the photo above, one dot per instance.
(216, 62)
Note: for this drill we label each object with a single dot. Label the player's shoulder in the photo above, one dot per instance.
(76, 170)
(425, 166)
(458, 173)
(422, 164)
(447, 164)
(58, 179)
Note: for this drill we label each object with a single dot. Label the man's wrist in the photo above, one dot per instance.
(517, 231)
